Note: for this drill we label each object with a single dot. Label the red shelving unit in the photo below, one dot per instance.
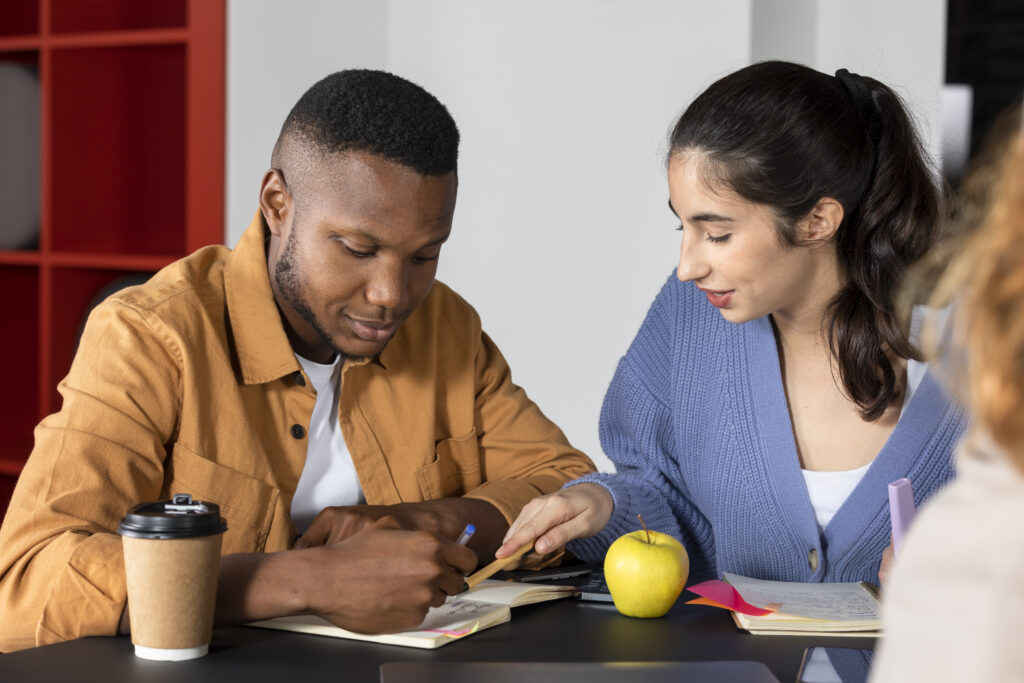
(131, 158)
(21, 18)
(19, 298)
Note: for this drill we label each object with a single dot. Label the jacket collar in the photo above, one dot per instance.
(261, 345)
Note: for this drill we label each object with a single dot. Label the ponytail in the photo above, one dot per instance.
(895, 224)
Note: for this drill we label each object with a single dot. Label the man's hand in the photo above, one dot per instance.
(446, 517)
(379, 579)
(335, 524)
(557, 518)
(385, 579)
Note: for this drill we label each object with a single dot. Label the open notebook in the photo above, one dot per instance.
(482, 606)
(835, 609)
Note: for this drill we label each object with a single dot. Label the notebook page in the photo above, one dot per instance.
(513, 593)
(456, 618)
(828, 601)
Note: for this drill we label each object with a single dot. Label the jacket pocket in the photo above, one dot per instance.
(245, 502)
(455, 469)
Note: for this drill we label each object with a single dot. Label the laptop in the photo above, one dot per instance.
(572, 672)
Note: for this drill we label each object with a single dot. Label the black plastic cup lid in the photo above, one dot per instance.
(180, 517)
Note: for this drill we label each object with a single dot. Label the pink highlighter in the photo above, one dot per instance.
(901, 510)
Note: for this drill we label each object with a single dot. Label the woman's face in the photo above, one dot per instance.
(733, 253)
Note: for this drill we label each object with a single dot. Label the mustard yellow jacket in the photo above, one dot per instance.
(188, 384)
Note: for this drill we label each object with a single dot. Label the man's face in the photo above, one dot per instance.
(354, 250)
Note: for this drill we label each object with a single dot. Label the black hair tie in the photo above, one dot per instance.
(869, 112)
(860, 93)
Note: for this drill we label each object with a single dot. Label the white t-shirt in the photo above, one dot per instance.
(328, 476)
(818, 668)
(829, 490)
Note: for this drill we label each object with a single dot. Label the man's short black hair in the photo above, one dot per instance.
(362, 110)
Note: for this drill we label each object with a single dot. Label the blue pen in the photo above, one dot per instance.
(467, 533)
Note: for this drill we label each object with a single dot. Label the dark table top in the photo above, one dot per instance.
(561, 631)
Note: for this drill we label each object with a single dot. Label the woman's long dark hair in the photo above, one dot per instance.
(785, 136)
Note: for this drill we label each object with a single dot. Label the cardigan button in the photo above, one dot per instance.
(299, 379)
(298, 431)
(812, 558)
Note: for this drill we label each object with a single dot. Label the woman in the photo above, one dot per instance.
(772, 392)
(954, 601)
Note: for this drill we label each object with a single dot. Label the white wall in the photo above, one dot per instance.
(275, 51)
(562, 235)
(785, 29)
(902, 44)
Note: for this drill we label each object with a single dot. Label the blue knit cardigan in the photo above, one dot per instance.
(697, 424)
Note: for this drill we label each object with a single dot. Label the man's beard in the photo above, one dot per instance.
(290, 285)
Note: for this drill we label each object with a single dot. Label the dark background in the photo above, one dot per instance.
(985, 49)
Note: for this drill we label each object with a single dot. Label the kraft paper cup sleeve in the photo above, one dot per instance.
(172, 589)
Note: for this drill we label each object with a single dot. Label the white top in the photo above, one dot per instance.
(328, 477)
(829, 490)
(952, 603)
(818, 668)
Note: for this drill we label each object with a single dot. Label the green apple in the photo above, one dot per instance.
(645, 572)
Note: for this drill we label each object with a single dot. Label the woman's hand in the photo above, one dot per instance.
(553, 520)
(888, 557)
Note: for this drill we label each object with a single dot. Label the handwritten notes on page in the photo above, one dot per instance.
(826, 601)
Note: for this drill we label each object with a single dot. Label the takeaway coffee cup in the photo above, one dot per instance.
(171, 559)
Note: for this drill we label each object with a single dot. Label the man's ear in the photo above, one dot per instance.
(276, 202)
(821, 223)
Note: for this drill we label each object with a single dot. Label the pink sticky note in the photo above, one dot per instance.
(726, 596)
(706, 601)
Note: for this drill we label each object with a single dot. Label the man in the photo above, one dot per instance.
(315, 382)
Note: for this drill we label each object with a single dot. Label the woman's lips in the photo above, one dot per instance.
(719, 299)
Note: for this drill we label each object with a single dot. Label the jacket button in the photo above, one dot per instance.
(812, 557)
(299, 379)
(298, 431)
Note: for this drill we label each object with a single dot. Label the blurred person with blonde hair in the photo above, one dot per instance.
(956, 591)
